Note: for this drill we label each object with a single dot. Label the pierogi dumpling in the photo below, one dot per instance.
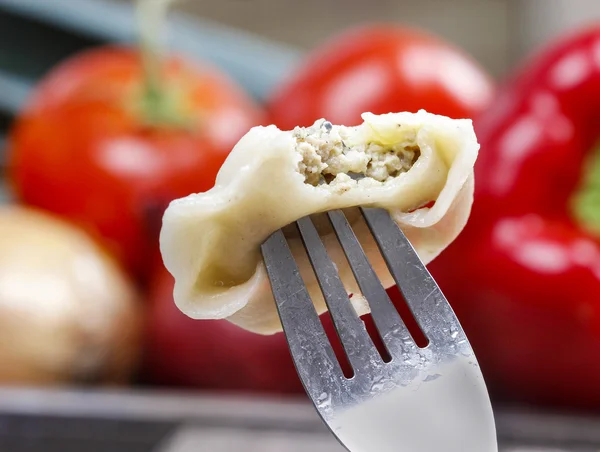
(418, 166)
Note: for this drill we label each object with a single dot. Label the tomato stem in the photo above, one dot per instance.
(151, 28)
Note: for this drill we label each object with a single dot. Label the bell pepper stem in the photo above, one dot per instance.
(585, 204)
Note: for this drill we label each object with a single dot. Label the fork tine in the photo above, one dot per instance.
(357, 343)
(392, 329)
(425, 299)
(308, 343)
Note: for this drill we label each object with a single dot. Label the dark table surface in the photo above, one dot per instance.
(149, 421)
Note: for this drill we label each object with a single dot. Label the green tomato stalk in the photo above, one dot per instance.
(161, 104)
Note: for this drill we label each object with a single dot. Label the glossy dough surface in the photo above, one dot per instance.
(210, 241)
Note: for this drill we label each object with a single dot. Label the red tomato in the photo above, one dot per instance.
(212, 354)
(82, 149)
(381, 69)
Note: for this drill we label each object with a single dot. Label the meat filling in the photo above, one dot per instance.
(328, 160)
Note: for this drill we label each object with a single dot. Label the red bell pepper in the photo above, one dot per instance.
(524, 277)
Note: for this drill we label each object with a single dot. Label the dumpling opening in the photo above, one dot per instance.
(328, 160)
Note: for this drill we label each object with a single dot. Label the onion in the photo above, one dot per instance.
(67, 312)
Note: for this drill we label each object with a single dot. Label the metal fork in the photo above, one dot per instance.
(430, 399)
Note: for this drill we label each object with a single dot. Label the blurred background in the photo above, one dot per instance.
(109, 109)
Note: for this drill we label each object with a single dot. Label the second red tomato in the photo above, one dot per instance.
(381, 69)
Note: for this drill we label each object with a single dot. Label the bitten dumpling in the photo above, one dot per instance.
(418, 166)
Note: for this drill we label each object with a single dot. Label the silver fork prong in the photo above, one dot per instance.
(305, 335)
(357, 343)
(423, 296)
(392, 329)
